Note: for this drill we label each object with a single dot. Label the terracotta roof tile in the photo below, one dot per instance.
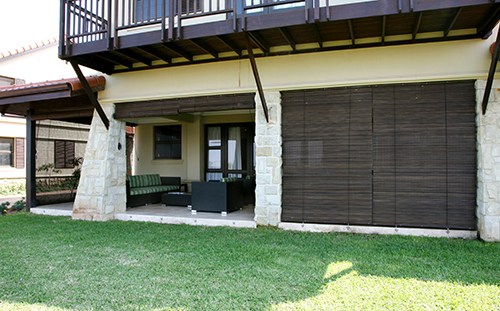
(15, 52)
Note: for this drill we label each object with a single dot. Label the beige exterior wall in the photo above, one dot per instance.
(468, 59)
(12, 128)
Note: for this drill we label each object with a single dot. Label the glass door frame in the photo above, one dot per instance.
(250, 150)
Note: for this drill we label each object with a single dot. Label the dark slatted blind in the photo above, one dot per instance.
(385, 155)
(19, 156)
(64, 153)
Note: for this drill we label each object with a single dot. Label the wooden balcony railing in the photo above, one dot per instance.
(85, 21)
(121, 35)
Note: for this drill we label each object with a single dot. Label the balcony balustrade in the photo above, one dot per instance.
(122, 35)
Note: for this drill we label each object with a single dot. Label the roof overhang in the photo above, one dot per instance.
(57, 100)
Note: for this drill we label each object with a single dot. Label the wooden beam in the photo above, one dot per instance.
(452, 22)
(90, 94)
(178, 50)
(351, 32)
(256, 76)
(148, 49)
(185, 117)
(384, 23)
(205, 47)
(416, 28)
(30, 161)
(261, 43)
(135, 56)
(230, 44)
(491, 74)
(485, 29)
(288, 38)
(117, 58)
(315, 29)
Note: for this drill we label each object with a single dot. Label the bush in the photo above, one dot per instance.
(12, 187)
(3, 207)
(19, 205)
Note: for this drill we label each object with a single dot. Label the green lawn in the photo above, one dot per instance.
(54, 263)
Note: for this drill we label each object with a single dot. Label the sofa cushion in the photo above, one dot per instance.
(144, 180)
(152, 189)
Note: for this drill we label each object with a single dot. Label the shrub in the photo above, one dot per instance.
(3, 207)
(12, 187)
(19, 205)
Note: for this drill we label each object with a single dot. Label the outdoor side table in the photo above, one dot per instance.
(176, 198)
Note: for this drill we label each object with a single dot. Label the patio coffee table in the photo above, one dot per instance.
(176, 198)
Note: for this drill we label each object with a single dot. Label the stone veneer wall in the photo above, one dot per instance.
(268, 161)
(101, 191)
(488, 163)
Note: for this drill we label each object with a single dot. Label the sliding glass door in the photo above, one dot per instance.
(229, 150)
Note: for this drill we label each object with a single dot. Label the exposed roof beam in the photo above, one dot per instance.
(90, 94)
(416, 28)
(261, 43)
(491, 74)
(288, 37)
(485, 29)
(452, 22)
(105, 64)
(230, 44)
(351, 32)
(315, 29)
(205, 47)
(256, 76)
(135, 56)
(384, 23)
(151, 51)
(178, 50)
(117, 59)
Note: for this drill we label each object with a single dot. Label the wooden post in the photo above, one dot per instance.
(30, 162)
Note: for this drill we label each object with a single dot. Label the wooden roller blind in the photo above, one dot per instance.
(393, 155)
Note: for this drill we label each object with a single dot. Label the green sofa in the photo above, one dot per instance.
(147, 189)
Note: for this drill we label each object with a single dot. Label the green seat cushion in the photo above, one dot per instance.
(152, 189)
(139, 181)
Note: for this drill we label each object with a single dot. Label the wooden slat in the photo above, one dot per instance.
(392, 155)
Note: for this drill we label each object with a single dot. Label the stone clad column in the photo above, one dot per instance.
(488, 163)
(101, 191)
(268, 161)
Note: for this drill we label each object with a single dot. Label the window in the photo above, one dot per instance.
(6, 151)
(64, 153)
(229, 151)
(168, 142)
(12, 152)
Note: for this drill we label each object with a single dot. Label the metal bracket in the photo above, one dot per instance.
(90, 94)
(256, 75)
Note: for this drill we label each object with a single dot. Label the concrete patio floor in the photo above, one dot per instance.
(165, 214)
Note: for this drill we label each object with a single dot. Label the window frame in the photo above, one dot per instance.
(68, 149)
(11, 152)
(167, 142)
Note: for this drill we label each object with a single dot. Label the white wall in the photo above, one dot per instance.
(41, 64)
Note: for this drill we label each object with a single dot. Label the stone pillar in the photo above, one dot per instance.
(101, 191)
(488, 163)
(269, 162)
